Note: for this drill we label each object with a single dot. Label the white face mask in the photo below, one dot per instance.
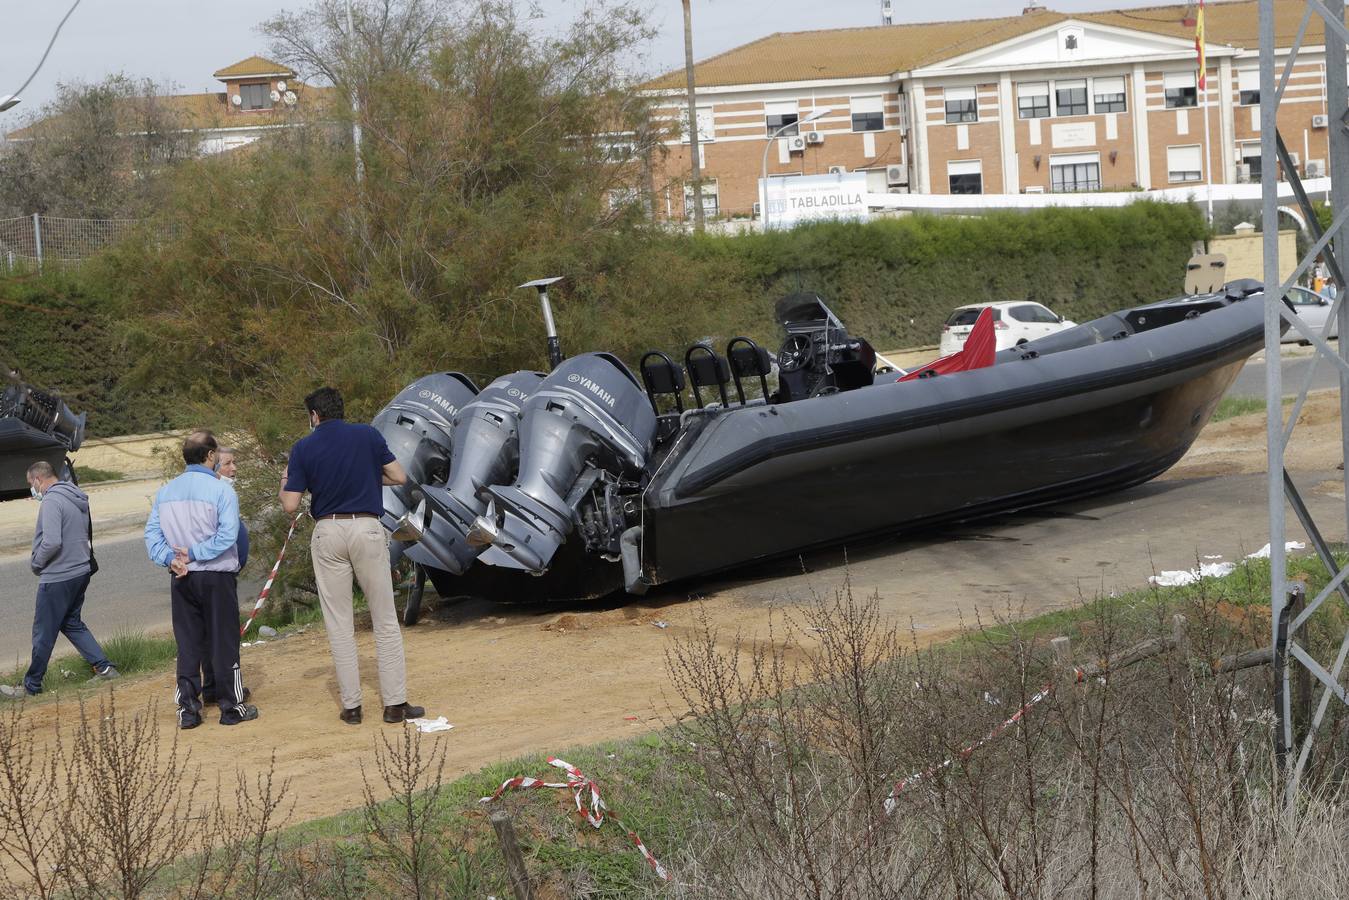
(37, 495)
(227, 479)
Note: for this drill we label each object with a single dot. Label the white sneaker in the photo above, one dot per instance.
(108, 673)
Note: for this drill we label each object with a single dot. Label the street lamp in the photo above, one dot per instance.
(814, 116)
(8, 101)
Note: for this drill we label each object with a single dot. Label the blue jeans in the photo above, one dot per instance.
(58, 612)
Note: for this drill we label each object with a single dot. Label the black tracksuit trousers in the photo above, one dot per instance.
(205, 608)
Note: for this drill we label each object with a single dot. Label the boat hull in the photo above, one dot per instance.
(769, 481)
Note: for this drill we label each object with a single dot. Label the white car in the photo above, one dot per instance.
(1014, 322)
(1311, 308)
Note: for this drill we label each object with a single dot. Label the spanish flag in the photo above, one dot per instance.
(1199, 47)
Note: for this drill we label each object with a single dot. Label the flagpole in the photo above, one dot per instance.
(1208, 157)
(1202, 60)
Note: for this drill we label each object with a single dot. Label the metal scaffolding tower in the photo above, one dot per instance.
(1289, 613)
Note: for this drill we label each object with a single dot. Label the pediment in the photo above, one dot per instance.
(1067, 41)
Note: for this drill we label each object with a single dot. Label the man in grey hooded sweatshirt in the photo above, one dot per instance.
(61, 554)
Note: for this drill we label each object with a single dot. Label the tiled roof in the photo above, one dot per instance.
(254, 65)
(884, 49)
(206, 111)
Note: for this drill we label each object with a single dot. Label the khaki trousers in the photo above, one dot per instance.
(341, 548)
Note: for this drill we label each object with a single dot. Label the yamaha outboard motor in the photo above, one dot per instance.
(587, 431)
(417, 427)
(486, 451)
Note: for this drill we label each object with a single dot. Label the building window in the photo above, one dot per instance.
(622, 198)
(710, 199)
(1184, 164)
(1077, 172)
(1180, 90)
(1248, 83)
(1108, 95)
(1250, 162)
(777, 115)
(965, 177)
(1032, 100)
(868, 113)
(962, 105)
(707, 129)
(1070, 98)
(255, 96)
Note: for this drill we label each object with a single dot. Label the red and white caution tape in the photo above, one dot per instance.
(267, 588)
(593, 810)
(906, 783)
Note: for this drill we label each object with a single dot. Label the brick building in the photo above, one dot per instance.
(259, 96)
(1039, 102)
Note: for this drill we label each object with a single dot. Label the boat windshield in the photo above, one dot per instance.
(970, 314)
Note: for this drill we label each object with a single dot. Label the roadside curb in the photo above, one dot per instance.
(13, 541)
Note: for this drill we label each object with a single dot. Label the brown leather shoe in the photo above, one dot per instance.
(402, 712)
(352, 716)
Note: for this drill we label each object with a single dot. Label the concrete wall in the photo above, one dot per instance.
(1246, 254)
(132, 454)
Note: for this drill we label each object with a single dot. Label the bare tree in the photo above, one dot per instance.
(94, 151)
(390, 36)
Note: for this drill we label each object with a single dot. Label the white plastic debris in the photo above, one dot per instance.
(431, 726)
(267, 631)
(661, 624)
(1263, 552)
(1190, 576)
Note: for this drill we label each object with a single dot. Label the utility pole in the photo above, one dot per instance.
(695, 162)
(355, 100)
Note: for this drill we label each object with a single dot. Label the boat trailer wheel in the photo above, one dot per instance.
(413, 610)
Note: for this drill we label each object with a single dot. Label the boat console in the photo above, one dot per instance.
(818, 355)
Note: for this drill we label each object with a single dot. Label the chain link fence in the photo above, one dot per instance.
(31, 242)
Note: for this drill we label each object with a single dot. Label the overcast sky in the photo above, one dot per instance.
(184, 41)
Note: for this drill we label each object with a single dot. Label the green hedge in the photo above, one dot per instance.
(64, 337)
(895, 281)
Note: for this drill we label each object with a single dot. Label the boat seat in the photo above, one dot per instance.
(707, 369)
(662, 377)
(748, 360)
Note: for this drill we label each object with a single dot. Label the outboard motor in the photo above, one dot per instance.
(585, 436)
(417, 427)
(485, 451)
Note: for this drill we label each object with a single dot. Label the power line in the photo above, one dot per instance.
(46, 52)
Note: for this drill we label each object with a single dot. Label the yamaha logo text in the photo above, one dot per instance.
(581, 381)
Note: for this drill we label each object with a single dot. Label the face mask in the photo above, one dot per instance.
(37, 495)
(227, 479)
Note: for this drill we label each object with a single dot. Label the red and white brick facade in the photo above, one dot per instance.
(1078, 103)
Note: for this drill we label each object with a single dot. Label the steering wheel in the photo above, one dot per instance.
(796, 352)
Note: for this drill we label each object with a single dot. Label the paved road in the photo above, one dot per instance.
(1046, 558)
(1251, 381)
(127, 593)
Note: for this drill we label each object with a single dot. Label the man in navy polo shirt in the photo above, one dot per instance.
(343, 465)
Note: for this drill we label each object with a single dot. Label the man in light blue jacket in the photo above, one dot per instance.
(61, 560)
(193, 530)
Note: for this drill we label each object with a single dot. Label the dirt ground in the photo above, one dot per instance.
(1237, 446)
(525, 680)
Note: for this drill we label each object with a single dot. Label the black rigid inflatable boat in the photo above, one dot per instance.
(591, 478)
